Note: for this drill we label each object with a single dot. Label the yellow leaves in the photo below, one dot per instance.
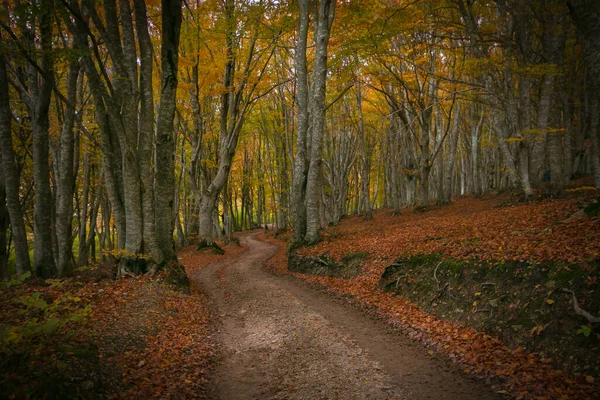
(550, 302)
(537, 69)
(581, 189)
(539, 132)
(513, 139)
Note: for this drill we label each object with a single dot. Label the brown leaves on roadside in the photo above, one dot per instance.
(149, 341)
(469, 228)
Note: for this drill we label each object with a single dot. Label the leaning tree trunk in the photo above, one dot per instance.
(234, 107)
(11, 176)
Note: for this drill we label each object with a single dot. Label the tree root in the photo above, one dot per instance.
(580, 311)
(440, 292)
(204, 244)
(435, 275)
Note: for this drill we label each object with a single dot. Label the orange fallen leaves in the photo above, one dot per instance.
(468, 228)
(152, 342)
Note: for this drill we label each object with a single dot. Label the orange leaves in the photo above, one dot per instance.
(475, 228)
(469, 228)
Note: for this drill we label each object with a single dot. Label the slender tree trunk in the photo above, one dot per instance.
(83, 254)
(449, 166)
(365, 171)
(475, 131)
(300, 166)
(165, 145)
(11, 176)
(425, 160)
(43, 254)
(65, 183)
(4, 222)
(593, 132)
(586, 15)
(317, 122)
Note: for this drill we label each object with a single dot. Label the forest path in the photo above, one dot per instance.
(282, 339)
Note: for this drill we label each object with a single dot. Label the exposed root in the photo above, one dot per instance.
(580, 311)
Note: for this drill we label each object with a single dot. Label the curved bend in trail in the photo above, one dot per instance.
(282, 339)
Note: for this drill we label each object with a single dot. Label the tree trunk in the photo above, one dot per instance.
(165, 145)
(43, 254)
(65, 183)
(365, 171)
(300, 166)
(83, 250)
(425, 159)
(11, 176)
(475, 131)
(586, 15)
(449, 172)
(4, 222)
(317, 121)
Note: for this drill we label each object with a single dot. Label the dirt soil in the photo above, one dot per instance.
(280, 338)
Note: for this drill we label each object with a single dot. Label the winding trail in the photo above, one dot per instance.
(282, 339)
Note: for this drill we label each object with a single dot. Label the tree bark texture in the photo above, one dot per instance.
(11, 176)
(317, 121)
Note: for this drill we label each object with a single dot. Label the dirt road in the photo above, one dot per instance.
(282, 339)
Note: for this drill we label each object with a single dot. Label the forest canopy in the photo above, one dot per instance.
(131, 128)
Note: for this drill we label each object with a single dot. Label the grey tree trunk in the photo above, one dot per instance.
(586, 16)
(317, 122)
(235, 102)
(4, 222)
(41, 91)
(365, 171)
(146, 136)
(11, 176)
(449, 166)
(475, 131)
(538, 152)
(64, 180)
(425, 158)
(165, 143)
(83, 250)
(301, 161)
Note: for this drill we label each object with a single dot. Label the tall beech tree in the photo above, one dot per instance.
(125, 116)
(311, 120)
(245, 66)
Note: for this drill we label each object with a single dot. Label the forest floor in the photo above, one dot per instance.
(96, 337)
(464, 301)
(480, 282)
